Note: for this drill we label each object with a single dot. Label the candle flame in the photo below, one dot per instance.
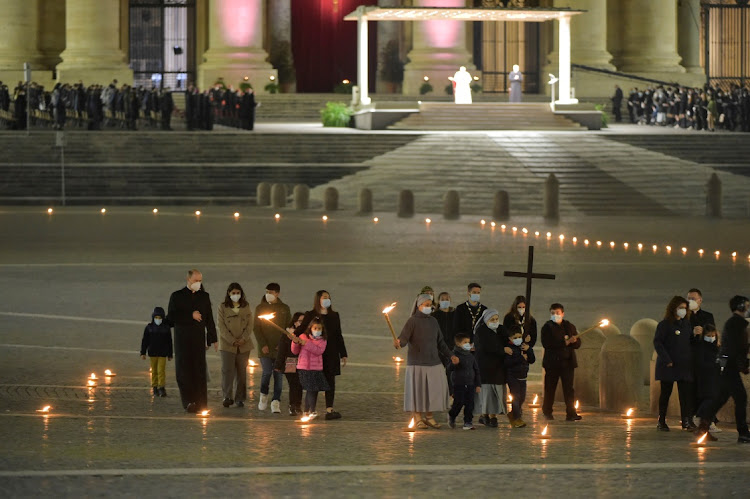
(483, 222)
(325, 218)
(398, 359)
(492, 224)
(544, 431)
(376, 219)
(107, 372)
(92, 376)
(277, 216)
(251, 363)
(388, 309)
(536, 399)
(267, 317)
(411, 424)
(197, 213)
(576, 406)
(203, 413)
(305, 419)
(702, 439)
(510, 398)
(46, 408)
(49, 210)
(92, 382)
(630, 412)
(604, 323)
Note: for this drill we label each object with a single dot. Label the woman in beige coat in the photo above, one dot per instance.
(235, 324)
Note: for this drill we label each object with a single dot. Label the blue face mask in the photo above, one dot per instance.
(157, 322)
(326, 303)
(317, 333)
(517, 341)
(709, 339)
(445, 304)
(466, 346)
(475, 297)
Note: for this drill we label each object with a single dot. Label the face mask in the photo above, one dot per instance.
(681, 313)
(445, 304)
(317, 333)
(556, 318)
(517, 341)
(235, 297)
(475, 297)
(466, 346)
(693, 304)
(493, 325)
(521, 311)
(196, 286)
(709, 339)
(157, 322)
(326, 302)
(426, 310)
(270, 298)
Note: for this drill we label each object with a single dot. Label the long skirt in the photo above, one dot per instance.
(426, 389)
(313, 381)
(492, 399)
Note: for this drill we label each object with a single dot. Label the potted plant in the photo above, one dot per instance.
(392, 68)
(281, 59)
(336, 114)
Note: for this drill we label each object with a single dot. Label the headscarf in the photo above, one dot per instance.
(423, 298)
(425, 291)
(484, 319)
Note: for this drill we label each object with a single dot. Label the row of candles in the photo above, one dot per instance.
(526, 232)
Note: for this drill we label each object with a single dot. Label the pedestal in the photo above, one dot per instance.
(18, 35)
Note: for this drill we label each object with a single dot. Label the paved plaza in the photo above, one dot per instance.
(79, 285)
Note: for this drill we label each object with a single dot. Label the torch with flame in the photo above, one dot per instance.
(602, 323)
(45, 409)
(535, 403)
(268, 317)
(386, 311)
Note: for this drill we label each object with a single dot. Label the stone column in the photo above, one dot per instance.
(589, 33)
(689, 35)
(389, 48)
(280, 25)
(19, 42)
(92, 43)
(51, 31)
(235, 45)
(438, 50)
(649, 37)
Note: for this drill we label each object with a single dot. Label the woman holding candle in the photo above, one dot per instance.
(426, 388)
(490, 342)
(672, 342)
(235, 322)
(517, 316)
(335, 355)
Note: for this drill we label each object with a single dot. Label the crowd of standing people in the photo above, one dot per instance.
(222, 105)
(708, 108)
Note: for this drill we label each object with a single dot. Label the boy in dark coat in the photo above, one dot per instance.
(560, 341)
(157, 342)
(465, 380)
(517, 370)
(706, 368)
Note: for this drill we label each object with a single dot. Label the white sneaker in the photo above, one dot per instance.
(275, 407)
(263, 404)
(714, 429)
(696, 421)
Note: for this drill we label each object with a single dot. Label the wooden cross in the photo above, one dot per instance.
(529, 275)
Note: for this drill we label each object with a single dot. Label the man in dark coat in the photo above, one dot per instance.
(468, 313)
(560, 341)
(166, 106)
(617, 104)
(191, 314)
(733, 352)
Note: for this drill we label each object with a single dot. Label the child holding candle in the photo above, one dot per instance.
(517, 370)
(157, 342)
(310, 346)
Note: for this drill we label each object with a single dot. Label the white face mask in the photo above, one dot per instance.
(493, 325)
(709, 339)
(517, 341)
(521, 311)
(196, 286)
(445, 304)
(326, 302)
(426, 310)
(317, 333)
(466, 347)
(157, 322)
(270, 298)
(681, 313)
(475, 297)
(693, 305)
(556, 318)
(235, 297)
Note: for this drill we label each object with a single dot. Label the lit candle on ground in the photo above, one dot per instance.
(197, 213)
(277, 216)
(236, 214)
(251, 363)
(626, 245)
(502, 227)
(203, 413)
(306, 419)
(545, 433)
(536, 233)
(586, 242)
(483, 222)
(412, 426)
(49, 210)
(577, 405)
(535, 403)
(701, 442)
(45, 409)
(427, 221)
(104, 210)
(325, 218)
(398, 360)
(91, 383)
(525, 230)
(612, 244)
(156, 210)
(376, 220)
(109, 373)
(493, 224)
(386, 311)
(630, 414)
(599, 243)
(92, 376)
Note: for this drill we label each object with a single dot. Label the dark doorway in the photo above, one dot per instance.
(325, 46)
(162, 42)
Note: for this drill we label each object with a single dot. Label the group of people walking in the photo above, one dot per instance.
(308, 348)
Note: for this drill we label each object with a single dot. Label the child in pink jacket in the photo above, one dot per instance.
(310, 346)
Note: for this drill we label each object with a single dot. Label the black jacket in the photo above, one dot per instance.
(673, 342)
(558, 355)
(464, 321)
(284, 350)
(335, 347)
(529, 328)
(702, 318)
(706, 369)
(515, 365)
(445, 320)
(490, 354)
(157, 340)
(734, 345)
(182, 304)
(466, 372)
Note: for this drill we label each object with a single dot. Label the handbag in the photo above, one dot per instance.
(290, 365)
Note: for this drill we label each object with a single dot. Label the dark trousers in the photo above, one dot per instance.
(330, 394)
(463, 397)
(190, 367)
(730, 385)
(551, 378)
(311, 400)
(685, 390)
(617, 112)
(295, 390)
(705, 408)
(517, 389)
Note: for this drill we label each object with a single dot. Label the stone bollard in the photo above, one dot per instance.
(586, 381)
(713, 197)
(501, 206)
(278, 196)
(608, 330)
(451, 205)
(643, 331)
(673, 409)
(620, 374)
(301, 197)
(405, 204)
(331, 199)
(263, 194)
(551, 199)
(365, 202)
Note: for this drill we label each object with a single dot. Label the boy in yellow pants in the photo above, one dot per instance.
(157, 341)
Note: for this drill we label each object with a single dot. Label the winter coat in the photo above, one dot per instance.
(445, 321)
(310, 354)
(515, 365)
(489, 346)
(706, 369)
(529, 328)
(422, 333)
(734, 343)
(336, 349)
(466, 372)
(265, 334)
(234, 326)
(157, 340)
(672, 342)
(558, 355)
(465, 317)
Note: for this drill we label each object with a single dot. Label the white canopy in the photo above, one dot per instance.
(364, 14)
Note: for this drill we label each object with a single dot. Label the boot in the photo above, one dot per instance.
(687, 424)
(662, 425)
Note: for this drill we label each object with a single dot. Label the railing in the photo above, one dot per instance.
(620, 74)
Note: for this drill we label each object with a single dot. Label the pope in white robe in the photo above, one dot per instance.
(462, 80)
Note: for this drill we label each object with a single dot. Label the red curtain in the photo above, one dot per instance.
(325, 46)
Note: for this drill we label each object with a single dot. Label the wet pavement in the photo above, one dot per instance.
(78, 287)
